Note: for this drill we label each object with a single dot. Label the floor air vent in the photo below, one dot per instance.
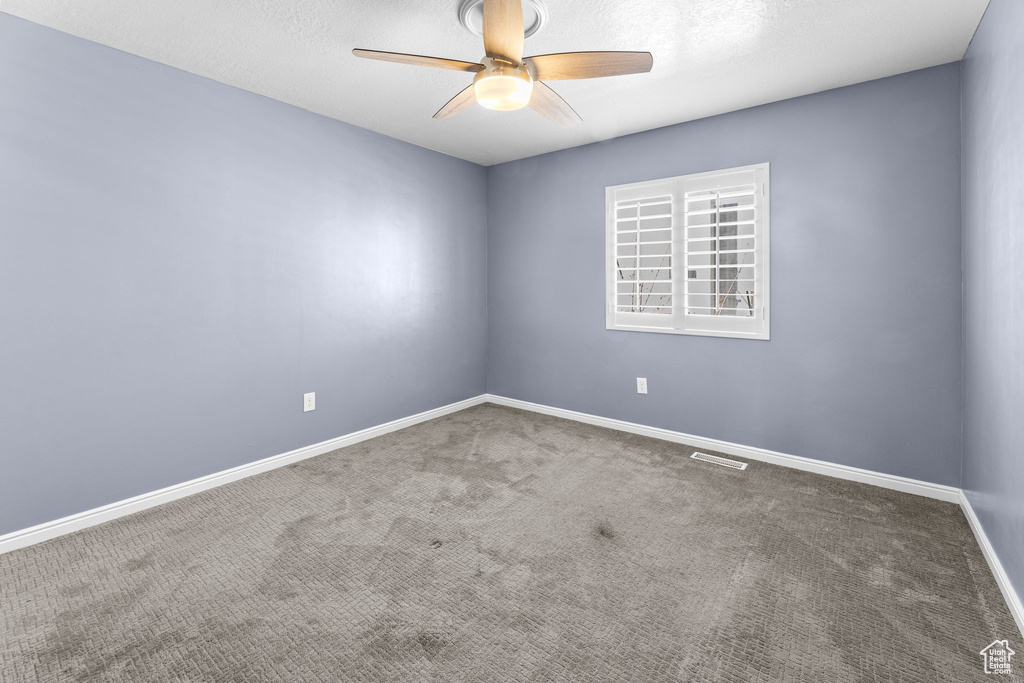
(715, 460)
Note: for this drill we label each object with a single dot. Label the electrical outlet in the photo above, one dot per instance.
(308, 402)
(641, 385)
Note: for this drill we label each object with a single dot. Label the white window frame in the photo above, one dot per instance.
(679, 322)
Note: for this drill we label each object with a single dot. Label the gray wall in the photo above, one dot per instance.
(181, 260)
(993, 248)
(863, 366)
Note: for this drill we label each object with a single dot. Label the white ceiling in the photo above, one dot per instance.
(710, 56)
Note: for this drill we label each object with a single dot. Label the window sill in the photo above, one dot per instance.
(761, 336)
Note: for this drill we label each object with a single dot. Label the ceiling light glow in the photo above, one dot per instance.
(503, 89)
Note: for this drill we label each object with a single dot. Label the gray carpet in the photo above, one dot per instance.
(500, 545)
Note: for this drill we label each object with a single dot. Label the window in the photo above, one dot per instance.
(689, 255)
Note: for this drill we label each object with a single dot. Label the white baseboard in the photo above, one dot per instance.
(48, 530)
(1002, 578)
(950, 494)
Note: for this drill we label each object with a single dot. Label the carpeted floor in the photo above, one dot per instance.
(500, 545)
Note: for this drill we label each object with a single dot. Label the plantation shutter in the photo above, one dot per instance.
(724, 281)
(690, 254)
(643, 239)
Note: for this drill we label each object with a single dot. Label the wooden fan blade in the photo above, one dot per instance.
(503, 30)
(464, 100)
(418, 60)
(550, 104)
(566, 66)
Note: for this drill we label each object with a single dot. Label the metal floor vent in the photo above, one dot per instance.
(715, 460)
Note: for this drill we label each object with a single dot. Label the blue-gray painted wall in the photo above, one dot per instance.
(863, 365)
(993, 252)
(181, 260)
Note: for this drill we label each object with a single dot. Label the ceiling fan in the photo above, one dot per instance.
(505, 81)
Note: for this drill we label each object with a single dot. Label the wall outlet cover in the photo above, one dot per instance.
(308, 402)
(641, 385)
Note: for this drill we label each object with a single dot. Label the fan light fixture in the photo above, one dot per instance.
(502, 87)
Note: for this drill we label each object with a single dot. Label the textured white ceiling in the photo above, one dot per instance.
(710, 56)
